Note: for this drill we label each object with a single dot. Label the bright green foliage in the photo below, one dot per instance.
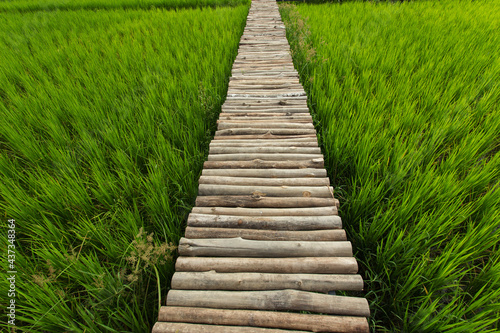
(406, 98)
(49, 5)
(105, 120)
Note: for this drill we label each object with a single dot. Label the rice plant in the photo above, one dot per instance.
(406, 98)
(105, 120)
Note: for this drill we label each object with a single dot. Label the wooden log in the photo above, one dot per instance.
(317, 265)
(265, 142)
(264, 181)
(263, 157)
(265, 191)
(316, 211)
(254, 113)
(266, 150)
(260, 164)
(238, 247)
(270, 235)
(264, 42)
(274, 131)
(270, 143)
(283, 320)
(268, 62)
(262, 95)
(163, 327)
(263, 67)
(271, 173)
(288, 84)
(291, 141)
(236, 87)
(262, 136)
(263, 78)
(295, 223)
(291, 100)
(280, 300)
(265, 63)
(266, 93)
(263, 118)
(265, 109)
(264, 74)
(265, 81)
(257, 201)
(265, 125)
(247, 58)
(266, 281)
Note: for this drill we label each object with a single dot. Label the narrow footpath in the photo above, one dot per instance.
(264, 249)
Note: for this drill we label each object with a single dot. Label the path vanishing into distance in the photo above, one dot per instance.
(264, 243)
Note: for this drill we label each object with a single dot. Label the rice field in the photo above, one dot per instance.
(105, 119)
(406, 100)
(54, 5)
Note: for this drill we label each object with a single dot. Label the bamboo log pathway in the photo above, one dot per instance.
(264, 248)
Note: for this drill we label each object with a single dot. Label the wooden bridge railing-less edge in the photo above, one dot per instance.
(264, 241)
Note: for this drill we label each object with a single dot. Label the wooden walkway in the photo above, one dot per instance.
(264, 243)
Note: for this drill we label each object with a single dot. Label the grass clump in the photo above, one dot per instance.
(406, 99)
(106, 118)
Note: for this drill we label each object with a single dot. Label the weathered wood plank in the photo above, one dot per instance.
(289, 140)
(264, 181)
(167, 327)
(261, 164)
(271, 173)
(316, 211)
(266, 136)
(316, 265)
(282, 320)
(238, 247)
(269, 235)
(265, 150)
(264, 157)
(265, 125)
(266, 281)
(295, 223)
(272, 143)
(267, 191)
(264, 117)
(273, 131)
(281, 300)
(257, 201)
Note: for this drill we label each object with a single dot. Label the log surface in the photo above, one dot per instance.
(284, 320)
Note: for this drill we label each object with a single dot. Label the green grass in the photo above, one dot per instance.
(406, 98)
(106, 118)
(50, 5)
